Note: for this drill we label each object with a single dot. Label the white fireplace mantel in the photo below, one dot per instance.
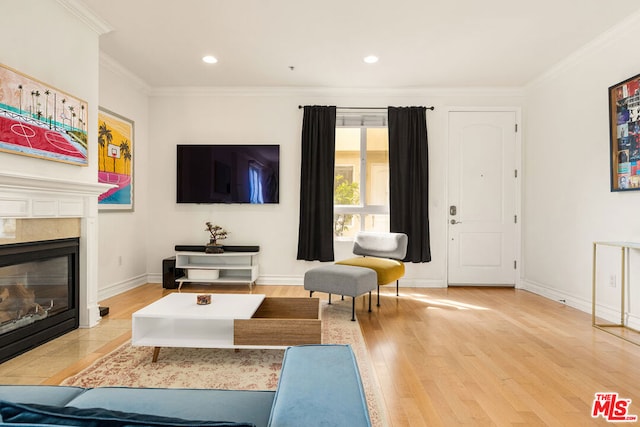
(17, 181)
(25, 196)
(29, 196)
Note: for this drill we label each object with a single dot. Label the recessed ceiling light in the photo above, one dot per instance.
(371, 59)
(209, 59)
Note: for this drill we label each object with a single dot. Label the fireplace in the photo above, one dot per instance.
(39, 293)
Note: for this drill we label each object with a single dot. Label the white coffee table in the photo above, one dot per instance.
(177, 320)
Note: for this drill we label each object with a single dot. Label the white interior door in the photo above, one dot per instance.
(482, 198)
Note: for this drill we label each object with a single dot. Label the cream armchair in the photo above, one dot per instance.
(381, 252)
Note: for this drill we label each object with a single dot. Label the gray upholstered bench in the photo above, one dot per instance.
(342, 280)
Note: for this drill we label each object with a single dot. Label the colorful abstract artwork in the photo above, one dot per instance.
(624, 120)
(38, 120)
(115, 160)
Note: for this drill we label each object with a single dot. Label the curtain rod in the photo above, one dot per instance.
(367, 108)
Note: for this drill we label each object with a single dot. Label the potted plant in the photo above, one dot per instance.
(217, 233)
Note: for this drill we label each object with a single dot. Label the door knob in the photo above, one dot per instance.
(454, 222)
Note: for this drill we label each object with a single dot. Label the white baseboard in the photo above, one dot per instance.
(281, 280)
(607, 313)
(299, 281)
(118, 288)
(262, 280)
(633, 321)
(422, 283)
(154, 278)
(554, 294)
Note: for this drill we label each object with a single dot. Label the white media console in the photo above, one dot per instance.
(227, 267)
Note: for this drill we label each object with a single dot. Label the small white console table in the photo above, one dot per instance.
(624, 257)
(227, 267)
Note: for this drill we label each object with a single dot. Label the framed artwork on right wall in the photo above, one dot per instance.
(115, 160)
(624, 134)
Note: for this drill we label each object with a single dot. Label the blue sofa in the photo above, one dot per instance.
(319, 385)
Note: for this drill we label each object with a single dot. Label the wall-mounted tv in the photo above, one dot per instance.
(228, 173)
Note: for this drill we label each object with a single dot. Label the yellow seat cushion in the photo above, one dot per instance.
(388, 270)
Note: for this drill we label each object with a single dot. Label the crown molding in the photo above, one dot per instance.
(87, 16)
(108, 63)
(117, 68)
(600, 42)
(328, 91)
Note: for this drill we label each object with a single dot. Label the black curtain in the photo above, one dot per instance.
(315, 232)
(409, 179)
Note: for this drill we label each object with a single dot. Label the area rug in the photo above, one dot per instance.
(245, 369)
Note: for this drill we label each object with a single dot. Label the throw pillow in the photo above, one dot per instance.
(94, 417)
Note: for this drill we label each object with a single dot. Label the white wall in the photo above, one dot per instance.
(271, 116)
(46, 41)
(567, 199)
(123, 246)
(43, 40)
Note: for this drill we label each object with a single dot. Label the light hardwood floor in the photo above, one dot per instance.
(443, 357)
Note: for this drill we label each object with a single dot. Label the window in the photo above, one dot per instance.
(255, 183)
(361, 181)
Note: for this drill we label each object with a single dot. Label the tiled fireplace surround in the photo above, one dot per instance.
(48, 208)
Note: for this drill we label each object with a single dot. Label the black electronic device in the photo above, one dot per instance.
(225, 248)
(170, 273)
(190, 248)
(231, 248)
(228, 174)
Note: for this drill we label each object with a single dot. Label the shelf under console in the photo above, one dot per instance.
(227, 267)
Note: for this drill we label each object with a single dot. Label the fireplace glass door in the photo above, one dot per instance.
(38, 293)
(31, 291)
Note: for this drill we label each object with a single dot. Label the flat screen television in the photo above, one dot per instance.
(228, 173)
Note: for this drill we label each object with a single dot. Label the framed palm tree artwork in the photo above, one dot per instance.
(115, 160)
(38, 120)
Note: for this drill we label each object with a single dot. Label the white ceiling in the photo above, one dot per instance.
(421, 43)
